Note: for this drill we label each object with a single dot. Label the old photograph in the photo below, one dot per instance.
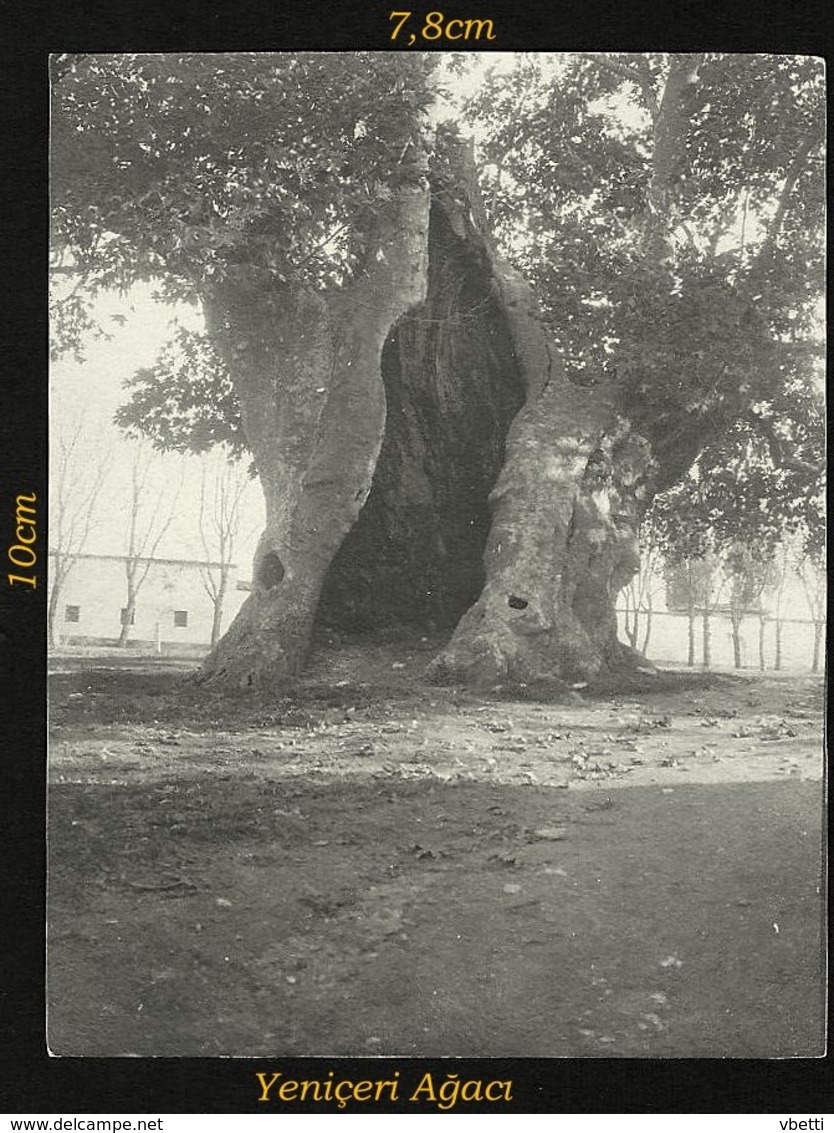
(437, 581)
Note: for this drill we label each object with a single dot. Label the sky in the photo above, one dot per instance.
(86, 395)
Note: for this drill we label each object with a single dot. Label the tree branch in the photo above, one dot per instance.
(639, 78)
(776, 447)
(791, 178)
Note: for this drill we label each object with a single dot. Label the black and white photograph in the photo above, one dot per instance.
(436, 564)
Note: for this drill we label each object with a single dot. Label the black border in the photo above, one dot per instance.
(30, 1081)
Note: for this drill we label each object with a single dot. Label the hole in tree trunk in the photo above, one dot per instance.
(517, 603)
(453, 386)
(271, 571)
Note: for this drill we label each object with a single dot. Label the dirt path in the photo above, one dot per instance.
(375, 866)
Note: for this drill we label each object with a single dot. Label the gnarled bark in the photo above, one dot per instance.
(519, 532)
(501, 499)
(563, 538)
(306, 368)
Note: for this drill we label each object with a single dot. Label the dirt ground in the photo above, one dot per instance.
(375, 866)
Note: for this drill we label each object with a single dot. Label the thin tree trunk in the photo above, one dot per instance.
(130, 607)
(127, 620)
(630, 620)
(219, 600)
(648, 633)
(735, 624)
(54, 596)
(815, 662)
(762, 628)
(707, 643)
(777, 659)
(690, 660)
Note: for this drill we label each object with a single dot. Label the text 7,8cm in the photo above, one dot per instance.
(436, 26)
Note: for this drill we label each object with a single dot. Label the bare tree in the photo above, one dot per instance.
(77, 475)
(639, 596)
(695, 585)
(148, 522)
(221, 496)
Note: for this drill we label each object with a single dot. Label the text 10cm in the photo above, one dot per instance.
(436, 26)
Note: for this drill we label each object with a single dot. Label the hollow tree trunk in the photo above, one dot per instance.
(565, 511)
(501, 489)
(306, 370)
(502, 500)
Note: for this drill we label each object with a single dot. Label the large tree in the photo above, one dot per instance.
(425, 453)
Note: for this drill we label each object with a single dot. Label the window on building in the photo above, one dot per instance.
(181, 618)
(128, 620)
(72, 614)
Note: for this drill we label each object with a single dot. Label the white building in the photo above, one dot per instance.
(173, 608)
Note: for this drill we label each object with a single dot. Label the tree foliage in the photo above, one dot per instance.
(714, 343)
(259, 171)
(667, 209)
(196, 169)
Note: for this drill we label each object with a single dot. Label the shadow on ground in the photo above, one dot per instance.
(373, 866)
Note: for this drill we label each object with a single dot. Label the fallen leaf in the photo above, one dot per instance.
(551, 833)
(655, 1020)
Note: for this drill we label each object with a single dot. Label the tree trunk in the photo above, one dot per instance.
(648, 633)
(735, 624)
(630, 621)
(61, 567)
(777, 658)
(502, 501)
(54, 596)
(707, 644)
(555, 558)
(565, 511)
(219, 600)
(690, 660)
(815, 662)
(130, 606)
(307, 373)
(762, 628)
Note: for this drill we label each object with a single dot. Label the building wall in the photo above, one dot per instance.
(97, 586)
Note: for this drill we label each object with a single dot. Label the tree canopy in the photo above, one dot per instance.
(699, 295)
(675, 244)
(197, 170)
